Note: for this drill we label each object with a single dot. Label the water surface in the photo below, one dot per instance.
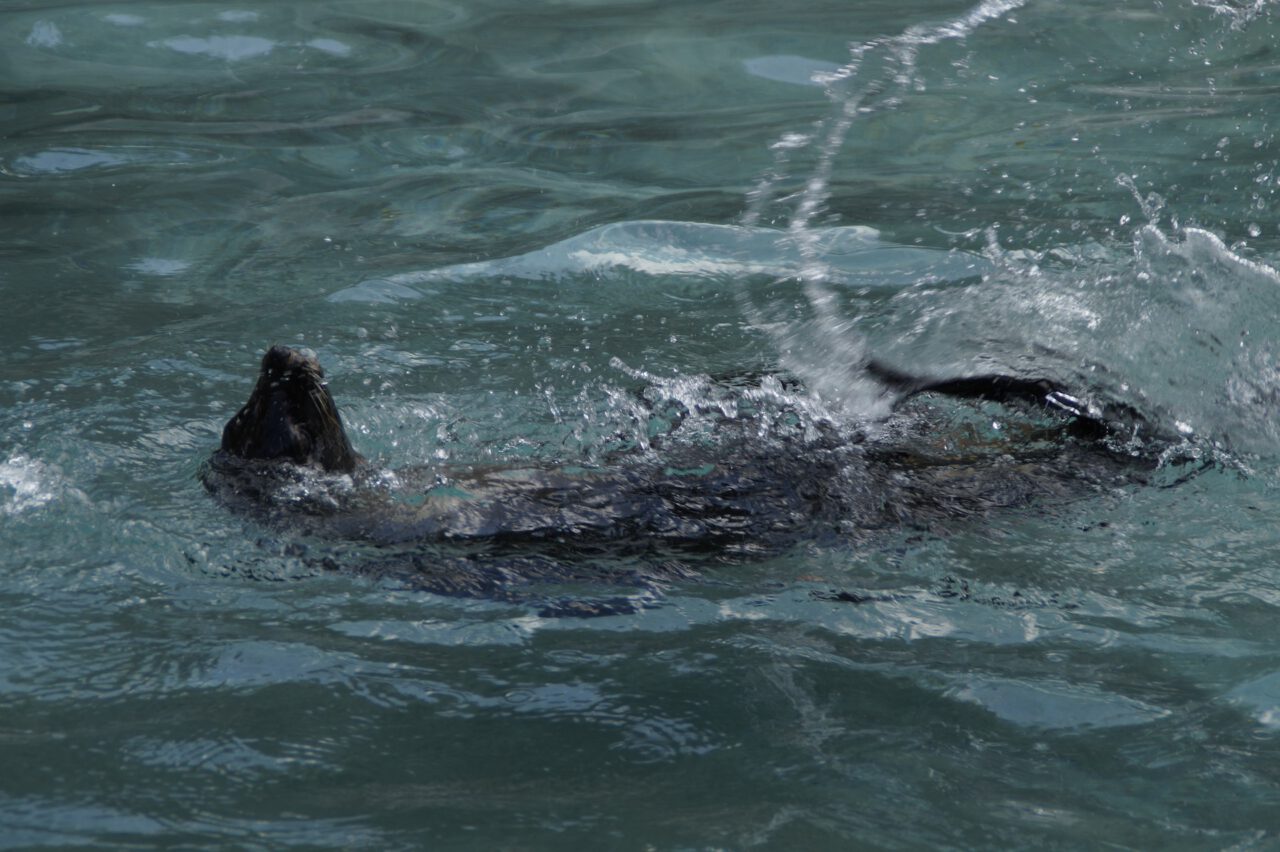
(497, 223)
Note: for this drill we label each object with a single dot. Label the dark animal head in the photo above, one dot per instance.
(290, 416)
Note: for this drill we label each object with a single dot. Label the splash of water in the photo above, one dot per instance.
(1221, 305)
(1176, 321)
(879, 75)
(1241, 13)
(27, 484)
(1111, 318)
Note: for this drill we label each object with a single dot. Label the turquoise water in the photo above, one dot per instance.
(497, 223)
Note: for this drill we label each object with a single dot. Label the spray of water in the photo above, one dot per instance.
(879, 75)
(1178, 319)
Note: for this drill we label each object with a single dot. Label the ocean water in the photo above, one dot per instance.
(500, 223)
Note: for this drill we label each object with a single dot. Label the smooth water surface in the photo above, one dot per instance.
(501, 223)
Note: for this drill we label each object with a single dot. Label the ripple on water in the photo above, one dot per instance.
(71, 161)
(1260, 697)
(230, 756)
(159, 45)
(693, 253)
(1054, 705)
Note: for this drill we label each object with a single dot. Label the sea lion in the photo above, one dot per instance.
(291, 416)
(742, 494)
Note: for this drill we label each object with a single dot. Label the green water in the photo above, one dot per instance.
(497, 223)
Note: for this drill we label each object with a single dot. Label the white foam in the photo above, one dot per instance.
(25, 484)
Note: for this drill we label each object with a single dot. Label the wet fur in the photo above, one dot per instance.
(291, 416)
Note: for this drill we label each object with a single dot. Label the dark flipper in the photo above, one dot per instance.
(1087, 422)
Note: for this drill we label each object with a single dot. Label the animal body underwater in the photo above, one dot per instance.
(760, 483)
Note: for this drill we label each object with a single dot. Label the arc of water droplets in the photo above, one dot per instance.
(860, 87)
